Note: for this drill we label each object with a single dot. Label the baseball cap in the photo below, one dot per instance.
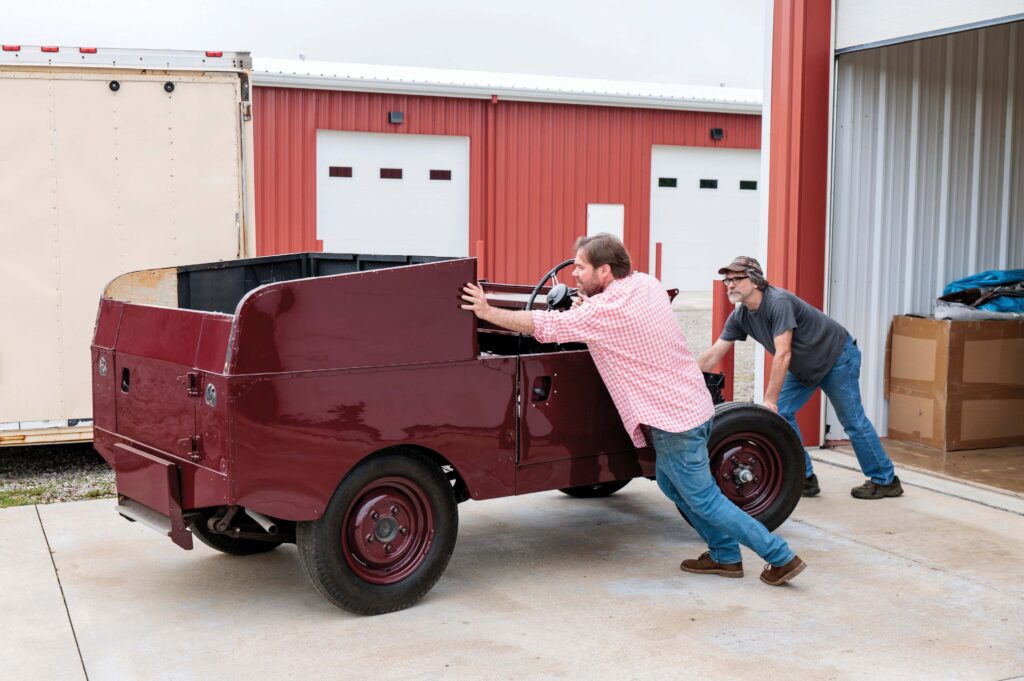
(743, 263)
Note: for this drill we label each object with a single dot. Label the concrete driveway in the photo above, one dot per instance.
(540, 587)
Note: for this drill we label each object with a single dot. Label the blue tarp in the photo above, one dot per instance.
(988, 279)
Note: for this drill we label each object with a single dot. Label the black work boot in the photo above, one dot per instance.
(811, 488)
(872, 490)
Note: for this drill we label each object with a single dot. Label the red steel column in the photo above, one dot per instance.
(721, 308)
(798, 162)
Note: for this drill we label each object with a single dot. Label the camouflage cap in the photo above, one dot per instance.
(743, 263)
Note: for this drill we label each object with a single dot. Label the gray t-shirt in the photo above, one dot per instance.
(818, 340)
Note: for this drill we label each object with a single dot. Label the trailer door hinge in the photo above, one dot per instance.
(191, 381)
(192, 445)
(246, 111)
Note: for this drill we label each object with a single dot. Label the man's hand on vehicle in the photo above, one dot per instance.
(770, 404)
(474, 295)
(520, 321)
(578, 299)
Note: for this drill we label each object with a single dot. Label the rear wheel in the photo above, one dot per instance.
(757, 461)
(601, 489)
(385, 538)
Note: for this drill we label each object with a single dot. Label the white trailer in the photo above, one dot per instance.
(112, 161)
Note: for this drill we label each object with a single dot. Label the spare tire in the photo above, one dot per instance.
(757, 461)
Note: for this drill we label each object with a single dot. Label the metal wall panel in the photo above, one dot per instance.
(928, 175)
(534, 167)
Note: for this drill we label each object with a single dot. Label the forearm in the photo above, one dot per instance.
(707, 359)
(519, 321)
(780, 365)
(713, 355)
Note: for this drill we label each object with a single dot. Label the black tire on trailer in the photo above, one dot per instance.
(230, 545)
(601, 489)
(386, 535)
(757, 461)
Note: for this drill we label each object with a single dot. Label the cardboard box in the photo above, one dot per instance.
(956, 384)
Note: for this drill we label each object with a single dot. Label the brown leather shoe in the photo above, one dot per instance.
(706, 566)
(777, 576)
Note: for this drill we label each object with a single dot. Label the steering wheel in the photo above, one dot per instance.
(558, 297)
(559, 294)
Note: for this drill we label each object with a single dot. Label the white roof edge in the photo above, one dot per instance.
(507, 86)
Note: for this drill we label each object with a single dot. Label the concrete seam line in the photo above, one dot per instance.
(63, 598)
(931, 489)
(913, 560)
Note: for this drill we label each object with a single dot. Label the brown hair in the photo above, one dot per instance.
(606, 249)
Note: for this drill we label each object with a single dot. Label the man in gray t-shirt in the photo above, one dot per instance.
(810, 350)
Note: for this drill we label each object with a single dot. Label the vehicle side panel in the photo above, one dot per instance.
(403, 315)
(297, 435)
(567, 411)
(585, 470)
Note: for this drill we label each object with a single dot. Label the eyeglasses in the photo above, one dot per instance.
(733, 281)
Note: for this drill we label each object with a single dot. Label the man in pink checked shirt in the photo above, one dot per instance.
(626, 320)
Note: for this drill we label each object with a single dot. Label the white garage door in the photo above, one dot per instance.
(704, 211)
(392, 194)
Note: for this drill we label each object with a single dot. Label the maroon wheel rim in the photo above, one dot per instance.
(748, 468)
(388, 530)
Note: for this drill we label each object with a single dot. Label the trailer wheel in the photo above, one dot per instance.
(757, 461)
(385, 537)
(601, 489)
(226, 544)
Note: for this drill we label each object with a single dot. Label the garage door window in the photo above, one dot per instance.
(709, 184)
(440, 175)
(391, 173)
(340, 171)
(669, 182)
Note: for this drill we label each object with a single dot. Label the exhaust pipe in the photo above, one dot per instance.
(266, 523)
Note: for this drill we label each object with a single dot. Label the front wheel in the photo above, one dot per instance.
(757, 461)
(385, 538)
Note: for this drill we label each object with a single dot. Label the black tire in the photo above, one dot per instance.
(601, 489)
(745, 432)
(230, 545)
(341, 565)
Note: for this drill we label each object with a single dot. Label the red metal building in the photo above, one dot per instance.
(540, 151)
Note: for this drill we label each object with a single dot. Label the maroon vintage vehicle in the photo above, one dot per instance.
(347, 404)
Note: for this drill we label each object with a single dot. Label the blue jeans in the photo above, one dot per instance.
(684, 475)
(842, 385)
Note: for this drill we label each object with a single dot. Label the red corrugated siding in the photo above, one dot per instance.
(534, 167)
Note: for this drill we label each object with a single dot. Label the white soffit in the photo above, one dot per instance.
(509, 86)
(863, 24)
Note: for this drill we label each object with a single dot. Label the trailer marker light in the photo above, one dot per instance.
(12, 48)
(50, 49)
(87, 50)
(214, 54)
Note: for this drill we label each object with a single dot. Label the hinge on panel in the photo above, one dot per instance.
(246, 111)
(191, 381)
(192, 444)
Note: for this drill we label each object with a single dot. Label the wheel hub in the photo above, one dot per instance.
(385, 529)
(748, 469)
(388, 529)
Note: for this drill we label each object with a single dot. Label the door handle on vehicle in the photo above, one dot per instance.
(541, 388)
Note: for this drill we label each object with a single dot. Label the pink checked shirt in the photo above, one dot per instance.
(640, 352)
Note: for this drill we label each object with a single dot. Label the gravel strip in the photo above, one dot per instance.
(50, 473)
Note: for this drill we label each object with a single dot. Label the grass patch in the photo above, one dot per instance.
(99, 493)
(22, 497)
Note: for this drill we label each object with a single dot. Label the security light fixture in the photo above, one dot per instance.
(717, 133)
(396, 117)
